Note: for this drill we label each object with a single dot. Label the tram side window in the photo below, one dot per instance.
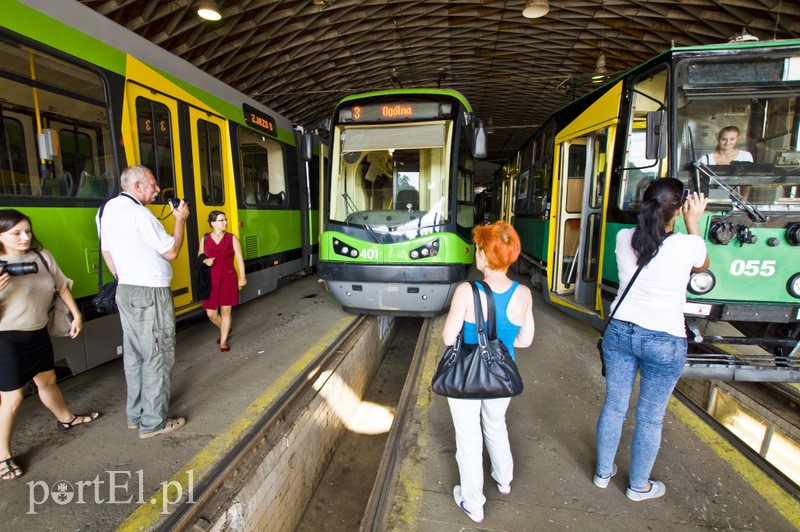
(523, 181)
(72, 117)
(649, 94)
(210, 151)
(155, 144)
(465, 216)
(14, 177)
(541, 171)
(262, 170)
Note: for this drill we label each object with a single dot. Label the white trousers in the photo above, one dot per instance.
(469, 416)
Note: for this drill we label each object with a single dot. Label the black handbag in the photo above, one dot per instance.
(625, 293)
(105, 302)
(478, 371)
(202, 274)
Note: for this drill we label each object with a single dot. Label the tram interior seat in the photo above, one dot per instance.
(90, 186)
(406, 197)
(276, 199)
(58, 186)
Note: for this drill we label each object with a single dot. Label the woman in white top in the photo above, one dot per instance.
(647, 334)
(726, 151)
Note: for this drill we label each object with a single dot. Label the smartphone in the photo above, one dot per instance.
(686, 193)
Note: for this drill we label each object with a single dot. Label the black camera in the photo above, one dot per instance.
(174, 202)
(18, 268)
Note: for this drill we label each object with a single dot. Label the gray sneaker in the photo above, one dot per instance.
(602, 482)
(170, 425)
(657, 489)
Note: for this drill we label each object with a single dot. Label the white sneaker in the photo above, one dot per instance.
(657, 489)
(504, 490)
(602, 482)
(460, 502)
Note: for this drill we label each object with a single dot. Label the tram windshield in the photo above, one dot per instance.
(391, 177)
(738, 128)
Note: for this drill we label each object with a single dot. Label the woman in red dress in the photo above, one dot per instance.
(218, 249)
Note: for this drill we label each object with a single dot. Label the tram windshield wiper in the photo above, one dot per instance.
(350, 209)
(738, 200)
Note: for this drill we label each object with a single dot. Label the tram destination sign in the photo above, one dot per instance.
(394, 111)
(260, 121)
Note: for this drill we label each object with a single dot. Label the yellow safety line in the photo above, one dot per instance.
(146, 514)
(776, 496)
(408, 496)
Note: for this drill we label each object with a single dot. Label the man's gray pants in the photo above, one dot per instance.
(148, 330)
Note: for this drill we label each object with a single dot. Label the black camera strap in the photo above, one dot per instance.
(100, 238)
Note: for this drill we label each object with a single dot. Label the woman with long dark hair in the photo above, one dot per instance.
(25, 349)
(647, 334)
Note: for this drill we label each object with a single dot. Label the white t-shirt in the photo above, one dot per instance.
(742, 156)
(656, 298)
(136, 241)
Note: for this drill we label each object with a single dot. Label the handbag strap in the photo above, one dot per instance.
(486, 331)
(630, 283)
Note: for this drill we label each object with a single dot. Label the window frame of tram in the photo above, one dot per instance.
(259, 171)
(209, 147)
(591, 262)
(75, 101)
(522, 200)
(635, 139)
(465, 202)
(155, 144)
(540, 174)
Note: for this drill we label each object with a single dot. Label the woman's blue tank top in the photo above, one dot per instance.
(506, 331)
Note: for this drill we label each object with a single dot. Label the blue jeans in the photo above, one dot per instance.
(148, 335)
(659, 358)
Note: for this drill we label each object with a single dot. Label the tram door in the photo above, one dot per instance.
(583, 169)
(212, 177)
(156, 145)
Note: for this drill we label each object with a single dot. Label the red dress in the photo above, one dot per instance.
(224, 281)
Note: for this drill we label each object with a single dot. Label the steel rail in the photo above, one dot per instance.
(185, 515)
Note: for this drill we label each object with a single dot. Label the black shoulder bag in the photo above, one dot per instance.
(625, 293)
(478, 371)
(202, 274)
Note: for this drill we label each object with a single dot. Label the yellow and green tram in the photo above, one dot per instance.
(579, 180)
(398, 200)
(81, 98)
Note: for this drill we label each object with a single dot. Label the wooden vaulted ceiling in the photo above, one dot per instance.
(300, 58)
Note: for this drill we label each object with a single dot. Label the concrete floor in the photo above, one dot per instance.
(211, 389)
(551, 428)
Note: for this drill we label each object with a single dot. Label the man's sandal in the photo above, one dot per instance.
(13, 471)
(74, 421)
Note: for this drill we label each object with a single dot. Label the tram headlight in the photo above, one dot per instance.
(722, 232)
(793, 286)
(340, 248)
(701, 283)
(793, 234)
(430, 249)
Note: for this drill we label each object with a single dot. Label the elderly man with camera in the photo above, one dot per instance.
(138, 252)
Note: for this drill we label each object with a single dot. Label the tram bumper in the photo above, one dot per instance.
(396, 290)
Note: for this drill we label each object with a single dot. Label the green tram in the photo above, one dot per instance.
(81, 98)
(398, 200)
(579, 180)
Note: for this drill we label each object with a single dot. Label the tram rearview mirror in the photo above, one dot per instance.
(479, 148)
(306, 147)
(656, 135)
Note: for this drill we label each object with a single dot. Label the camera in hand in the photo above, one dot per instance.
(174, 202)
(18, 268)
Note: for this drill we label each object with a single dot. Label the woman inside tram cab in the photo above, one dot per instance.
(726, 151)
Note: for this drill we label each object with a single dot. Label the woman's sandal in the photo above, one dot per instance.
(74, 421)
(13, 471)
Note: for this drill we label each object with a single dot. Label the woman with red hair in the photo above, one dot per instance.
(497, 247)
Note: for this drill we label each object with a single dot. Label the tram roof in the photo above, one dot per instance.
(300, 57)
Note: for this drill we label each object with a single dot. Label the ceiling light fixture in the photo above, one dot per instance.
(207, 9)
(600, 69)
(535, 8)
